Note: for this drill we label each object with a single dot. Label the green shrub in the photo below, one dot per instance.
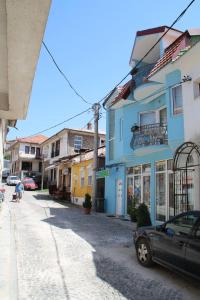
(87, 203)
(132, 209)
(143, 216)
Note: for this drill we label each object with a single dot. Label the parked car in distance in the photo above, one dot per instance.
(12, 180)
(174, 244)
(29, 184)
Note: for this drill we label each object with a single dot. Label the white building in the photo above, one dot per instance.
(22, 25)
(26, 159)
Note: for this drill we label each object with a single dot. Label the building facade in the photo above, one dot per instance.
(26, 158)
(148, 119)
(59, 150)
(20, 23)
(82, 175)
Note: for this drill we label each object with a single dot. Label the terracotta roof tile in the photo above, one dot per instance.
(170, 53)
(37, 139)
(124, 91)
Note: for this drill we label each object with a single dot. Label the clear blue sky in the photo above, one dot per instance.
(92, 42)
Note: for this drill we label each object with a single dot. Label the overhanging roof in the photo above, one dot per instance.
(22, 25)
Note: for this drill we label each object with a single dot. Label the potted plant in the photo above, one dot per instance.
(143, 216)
(87, 204)
(132, 208)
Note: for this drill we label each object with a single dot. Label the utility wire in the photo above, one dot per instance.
(58, 124)
(63, 74)
(147, 53)
(110, 92)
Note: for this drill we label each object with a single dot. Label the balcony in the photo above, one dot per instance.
(147, 135)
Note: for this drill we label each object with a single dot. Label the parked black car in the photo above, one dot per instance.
(174, 244)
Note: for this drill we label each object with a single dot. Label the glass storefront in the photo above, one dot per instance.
(138, 184)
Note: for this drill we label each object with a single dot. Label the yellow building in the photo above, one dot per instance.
(81, 175)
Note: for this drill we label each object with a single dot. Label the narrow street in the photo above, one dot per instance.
(54, 251)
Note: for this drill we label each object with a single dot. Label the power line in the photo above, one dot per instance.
(63, 74)
(147, 53)
(58, 124)
(110, 92)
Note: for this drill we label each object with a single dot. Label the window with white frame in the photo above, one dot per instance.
(164, 190)
(90, 175)
(138, 184)
(82, 176)
(78, 141)
(196, 86)
(177, 100)
(121, 124)
(147, 118)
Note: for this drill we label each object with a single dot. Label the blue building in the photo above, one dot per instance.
(148, 119)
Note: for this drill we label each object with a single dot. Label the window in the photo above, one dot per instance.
(182, 225)
(82, 175)
(26, 166)
(57, 148)
(90, 175)
(138, 183)
(52, 149)
(37, 152)
(32, 150)
(27, 149)
(147, 118)
(78, 140)
(177, 100)
(196, 90)
(111, 133)
(121, 129)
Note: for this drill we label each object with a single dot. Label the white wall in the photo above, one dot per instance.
(191, 105)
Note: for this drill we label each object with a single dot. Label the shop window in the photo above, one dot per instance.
(177, 100)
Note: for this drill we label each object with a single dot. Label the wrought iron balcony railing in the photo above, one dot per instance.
(151, 134)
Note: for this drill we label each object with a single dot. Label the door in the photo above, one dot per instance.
(170, 244)
(119, 197)
(193, 252)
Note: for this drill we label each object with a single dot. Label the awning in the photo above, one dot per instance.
(50, 167)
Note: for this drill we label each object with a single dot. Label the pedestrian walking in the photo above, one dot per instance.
(19, 188)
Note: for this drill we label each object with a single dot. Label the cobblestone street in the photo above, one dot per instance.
(54, 251)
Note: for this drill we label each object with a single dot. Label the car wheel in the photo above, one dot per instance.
(144, 254)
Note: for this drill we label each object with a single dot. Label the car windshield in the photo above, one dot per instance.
(29, 181)
(14, 178)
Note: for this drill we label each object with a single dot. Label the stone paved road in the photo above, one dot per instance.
(54, 252)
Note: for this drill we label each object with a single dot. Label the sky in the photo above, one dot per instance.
(91, 40)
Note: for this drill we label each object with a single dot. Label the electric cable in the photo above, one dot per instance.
(63, 74)
(111, 91)
(147, 53)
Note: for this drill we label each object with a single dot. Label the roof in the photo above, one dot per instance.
(154, 30)
(123, 92)
(168, 55)
(85, 131)
(37, 139)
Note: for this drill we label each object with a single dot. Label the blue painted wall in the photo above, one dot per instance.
(124, 154)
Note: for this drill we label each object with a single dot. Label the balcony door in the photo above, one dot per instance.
(147, 118)
(163, 116)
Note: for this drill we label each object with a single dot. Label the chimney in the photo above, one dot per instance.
(89, 126)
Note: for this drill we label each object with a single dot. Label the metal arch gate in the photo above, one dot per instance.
(182, 166)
